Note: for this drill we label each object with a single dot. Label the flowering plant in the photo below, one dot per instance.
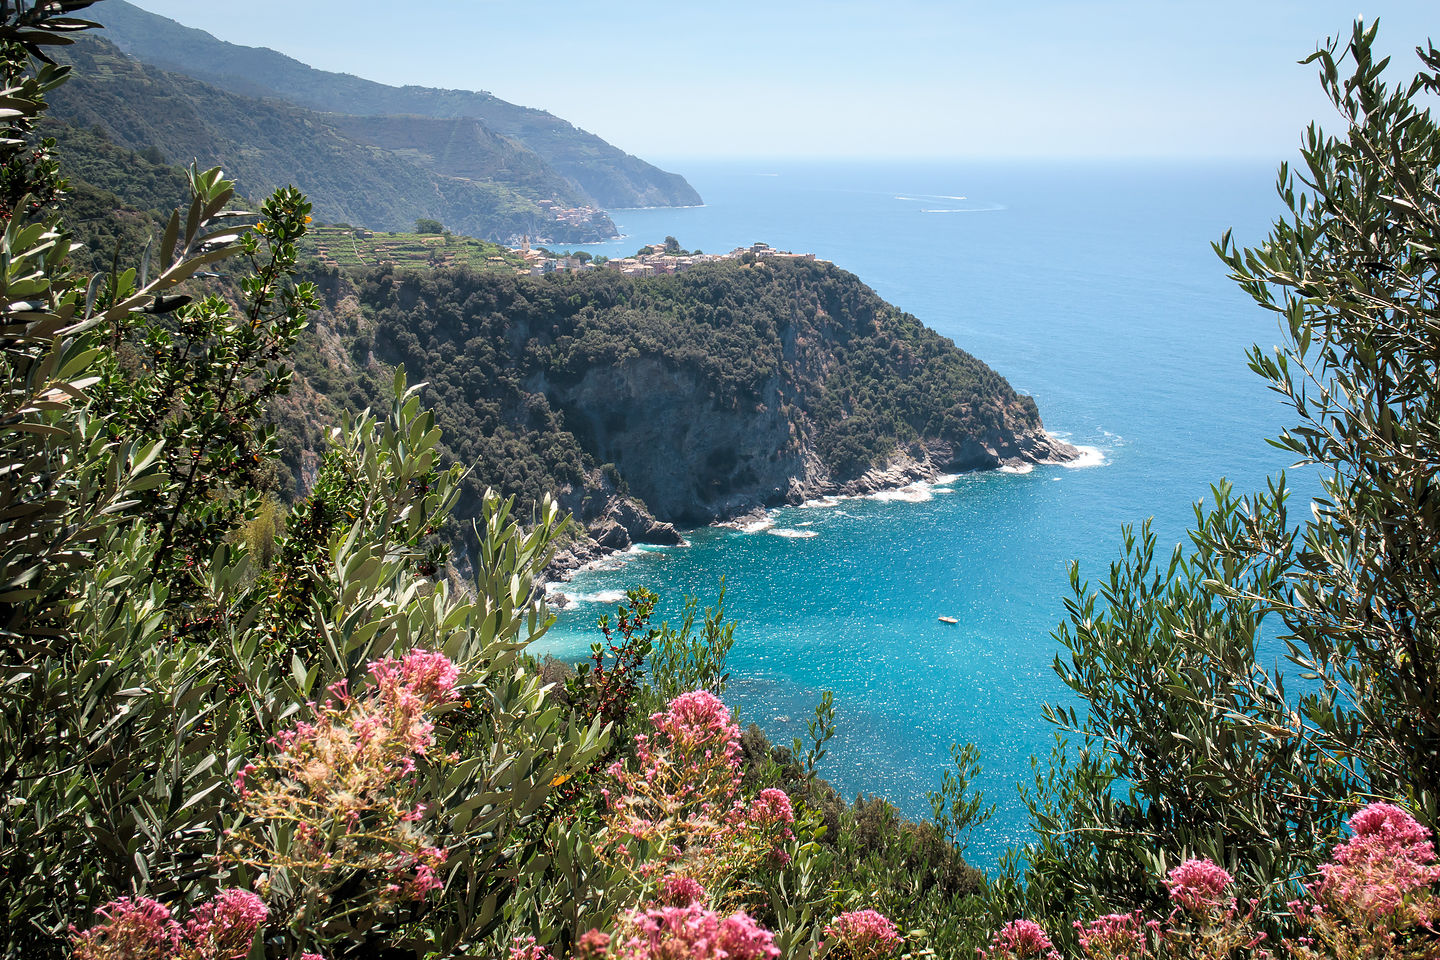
(1376, 896)
(339, 793)
(862, 935)
(1118, 936)
(680, 809)
(140, 928)
(1020, 940)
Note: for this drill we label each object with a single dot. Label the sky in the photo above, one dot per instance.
(845, 78)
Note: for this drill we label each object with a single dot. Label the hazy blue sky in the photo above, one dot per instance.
(918, 78)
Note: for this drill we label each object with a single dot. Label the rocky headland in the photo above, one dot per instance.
(650, 405)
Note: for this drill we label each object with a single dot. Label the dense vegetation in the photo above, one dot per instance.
(266, 144)
(229, 730)
(609, 176)
(509, 362)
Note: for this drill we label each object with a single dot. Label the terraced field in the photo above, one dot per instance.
(348, 247)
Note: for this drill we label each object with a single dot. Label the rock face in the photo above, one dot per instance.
(693, 461)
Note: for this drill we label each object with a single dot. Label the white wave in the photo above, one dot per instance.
(914, 493)
(807, 523)
(1020, 468)
(1089, 457)
(789, 534)
(757, 526)
(602, 596)
(823, 502)
(654, 547)
(943, 490)
(945, 479)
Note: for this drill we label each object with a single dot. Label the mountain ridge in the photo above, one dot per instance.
(265, 144)
(606, 174)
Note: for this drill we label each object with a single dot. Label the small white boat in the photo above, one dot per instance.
(948, 620)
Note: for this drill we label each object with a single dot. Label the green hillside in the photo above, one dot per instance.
(266, 144)
(611, 177)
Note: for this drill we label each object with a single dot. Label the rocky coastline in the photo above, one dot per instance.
(620, 522)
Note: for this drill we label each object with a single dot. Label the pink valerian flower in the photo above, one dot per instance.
(311, 956)
(1021, 940)
(741, 938)
(341, 780)
(1387, 863)
(426, 880)
(593, 945)
(1200, 886)
(772, 813)
(1117, 936)
(681, 796)
(863, 934)
(431, 677)
(525, 948)
(137, 928)
(689, 933)
(143, 929)
(224, 928)
(679, 891)
(772, 809)
(1376, 893)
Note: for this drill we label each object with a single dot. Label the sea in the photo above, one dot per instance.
(1090, 285)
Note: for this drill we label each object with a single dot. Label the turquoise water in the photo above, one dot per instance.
(1093, 288)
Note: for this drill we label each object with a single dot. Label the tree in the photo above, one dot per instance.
(1189, 746)
(427, 226)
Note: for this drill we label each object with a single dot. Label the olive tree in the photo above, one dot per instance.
(1185, 742)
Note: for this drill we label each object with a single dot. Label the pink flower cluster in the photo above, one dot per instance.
(772, 814)
(694, 749)
(682, 798)
(1200, 887)
(1117, 936)
(525, 948)
(140, 928)
(690, 933)
(1389, 860)
(343, 783)
(1021, 940)
(1376, 894)
(863, 935)
(678, 891)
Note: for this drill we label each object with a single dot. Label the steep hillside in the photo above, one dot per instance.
(701, 395)
(609, 176)
(460, 147)
(265, 143)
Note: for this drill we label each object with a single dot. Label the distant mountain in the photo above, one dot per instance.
(608, 175)
(348, 167)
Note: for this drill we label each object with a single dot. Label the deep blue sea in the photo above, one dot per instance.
(1092, 287)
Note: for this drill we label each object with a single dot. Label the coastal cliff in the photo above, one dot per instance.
(645, 404)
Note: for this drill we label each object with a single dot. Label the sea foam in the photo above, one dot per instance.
(1089, 457)
(790, 534)
(914, 493)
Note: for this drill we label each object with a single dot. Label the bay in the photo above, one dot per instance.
(1091, 286)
